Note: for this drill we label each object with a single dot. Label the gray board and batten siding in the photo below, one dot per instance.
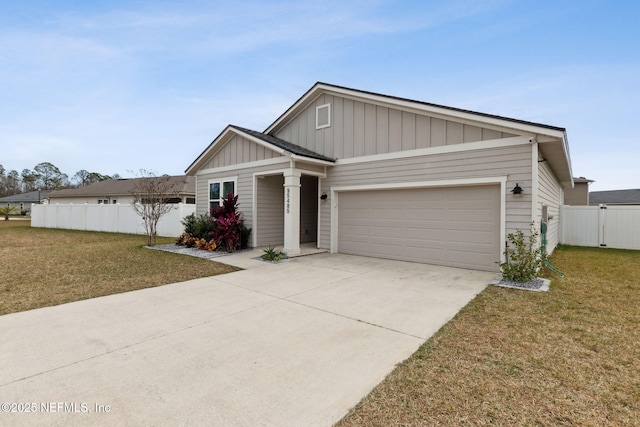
(361, 129)
(239, 150)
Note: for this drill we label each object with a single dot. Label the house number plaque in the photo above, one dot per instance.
(288, 200)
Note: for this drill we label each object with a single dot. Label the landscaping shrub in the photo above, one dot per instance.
(222, 229)
(523, 260)
(229, 232)
(273, 254)
(198, 226)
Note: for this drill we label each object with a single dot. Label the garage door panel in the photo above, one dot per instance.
(426, 234)
(469, 236)
(424, 245)
(456, 226)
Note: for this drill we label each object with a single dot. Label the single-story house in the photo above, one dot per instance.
(114, 191)
(23, 201)
(579, 194)
(368, 174)
(615, 197)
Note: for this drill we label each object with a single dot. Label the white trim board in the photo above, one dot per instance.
(249, 165)
(443, 149)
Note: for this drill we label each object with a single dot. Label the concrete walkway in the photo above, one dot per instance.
(291, 344)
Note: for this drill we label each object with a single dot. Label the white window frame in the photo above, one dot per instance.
(221, 182)
(328, 124)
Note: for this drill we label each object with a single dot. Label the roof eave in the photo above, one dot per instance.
(556, 152)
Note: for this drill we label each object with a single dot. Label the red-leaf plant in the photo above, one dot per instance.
(228, 223)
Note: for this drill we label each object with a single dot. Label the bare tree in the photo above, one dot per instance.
(152, 195)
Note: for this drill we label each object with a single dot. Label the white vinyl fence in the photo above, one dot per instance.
(604, 226)
(108, 218)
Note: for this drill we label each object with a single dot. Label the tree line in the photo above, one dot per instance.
(45, 176)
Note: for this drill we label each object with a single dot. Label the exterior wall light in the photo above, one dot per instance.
(324, 196)
(517, 191)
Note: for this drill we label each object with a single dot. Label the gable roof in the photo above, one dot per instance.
(320, 87)
(615, 197)
(269, 141)
(30, 197)
(182, 184)
(552, 140)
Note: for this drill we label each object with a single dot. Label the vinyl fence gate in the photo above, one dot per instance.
(603, 226)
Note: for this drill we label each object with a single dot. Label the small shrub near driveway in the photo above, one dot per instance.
(523, 256)
(273, 254)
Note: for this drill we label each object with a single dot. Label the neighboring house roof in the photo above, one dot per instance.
(615, 197)
(583, 179)
(182, 184)
(30, 197)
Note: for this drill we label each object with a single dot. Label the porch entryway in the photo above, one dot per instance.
(286, 210)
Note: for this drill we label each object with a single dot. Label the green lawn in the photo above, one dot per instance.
(42, 267)
(511, 357)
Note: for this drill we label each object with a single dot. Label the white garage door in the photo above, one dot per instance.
(452, 226)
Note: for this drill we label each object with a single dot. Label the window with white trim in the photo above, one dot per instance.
(219, 189)
(323, 116)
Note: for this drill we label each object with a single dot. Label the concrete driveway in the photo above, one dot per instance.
(291, 344)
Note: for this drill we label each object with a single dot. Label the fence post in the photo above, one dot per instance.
(601, 230)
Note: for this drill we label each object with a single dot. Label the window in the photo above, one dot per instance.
(114, 201)
(219, 189)
(103, 201)
(323, 116)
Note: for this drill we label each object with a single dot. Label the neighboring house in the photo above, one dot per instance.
(368, 174)
(23, 201)
(615, 197)
(579, 194)
(119, 191)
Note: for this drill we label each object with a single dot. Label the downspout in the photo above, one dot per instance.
(535, 176)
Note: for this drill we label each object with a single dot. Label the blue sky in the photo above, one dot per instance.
(119, 86)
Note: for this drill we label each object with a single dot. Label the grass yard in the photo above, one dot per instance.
(567, 357)
(42, 267)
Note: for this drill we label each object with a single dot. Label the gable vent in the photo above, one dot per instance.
(323, 116)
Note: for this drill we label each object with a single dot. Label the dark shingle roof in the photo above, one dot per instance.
(292, 148)
(615, 197)
(121, 187)
(30, 197)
